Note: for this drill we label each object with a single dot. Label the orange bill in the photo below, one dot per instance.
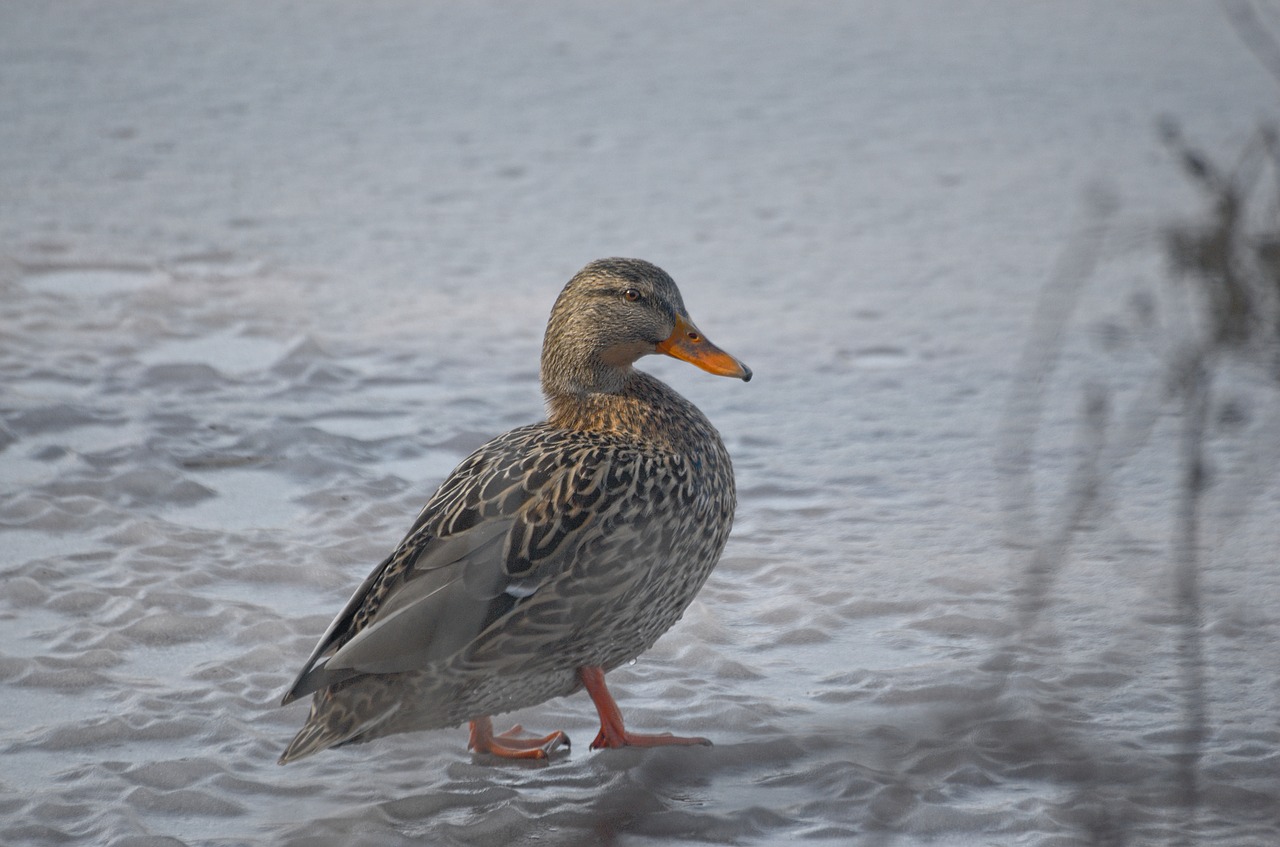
(688, 343)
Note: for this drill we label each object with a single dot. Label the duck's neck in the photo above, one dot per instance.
(645, 408)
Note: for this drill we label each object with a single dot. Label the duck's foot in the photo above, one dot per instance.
(612, 732)
(609, 738)
(513, 744)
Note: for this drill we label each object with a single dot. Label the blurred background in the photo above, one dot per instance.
(1004, 564)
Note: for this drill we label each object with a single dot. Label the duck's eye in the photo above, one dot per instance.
(631, 295)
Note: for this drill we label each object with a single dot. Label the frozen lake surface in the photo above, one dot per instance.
(268, 271)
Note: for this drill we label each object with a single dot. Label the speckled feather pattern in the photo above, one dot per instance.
(576, 541)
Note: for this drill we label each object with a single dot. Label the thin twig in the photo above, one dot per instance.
(1256, 37)
(1036, 365)
(1195, 413)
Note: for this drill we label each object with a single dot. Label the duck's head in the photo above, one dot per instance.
(613, 312)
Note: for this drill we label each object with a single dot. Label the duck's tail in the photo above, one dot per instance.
(333, 721)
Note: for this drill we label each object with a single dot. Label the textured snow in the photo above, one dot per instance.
(268, 271)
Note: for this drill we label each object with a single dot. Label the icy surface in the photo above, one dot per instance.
(267, 271)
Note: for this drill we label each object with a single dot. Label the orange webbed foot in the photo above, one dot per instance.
(612, 733)
(609, 739)
(513, 744)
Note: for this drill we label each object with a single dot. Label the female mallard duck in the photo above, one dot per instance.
(552, 554)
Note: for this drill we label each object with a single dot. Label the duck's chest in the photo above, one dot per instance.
(666, 537)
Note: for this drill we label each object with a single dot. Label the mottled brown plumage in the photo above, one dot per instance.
(552, 554)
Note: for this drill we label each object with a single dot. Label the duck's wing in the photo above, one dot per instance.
(311, 676)
(382, 626)
(498, 530)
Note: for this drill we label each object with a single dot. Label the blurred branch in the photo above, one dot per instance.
(1039, 360)
(1258, 38)
(1223, 331)
(1191, 661)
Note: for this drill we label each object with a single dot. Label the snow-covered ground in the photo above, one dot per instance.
(267, 271)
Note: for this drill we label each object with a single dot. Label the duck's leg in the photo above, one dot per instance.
(510, 744)
(612, 732)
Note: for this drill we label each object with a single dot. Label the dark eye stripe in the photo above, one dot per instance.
(618, 293)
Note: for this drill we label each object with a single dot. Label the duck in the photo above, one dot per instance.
(553, 554)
